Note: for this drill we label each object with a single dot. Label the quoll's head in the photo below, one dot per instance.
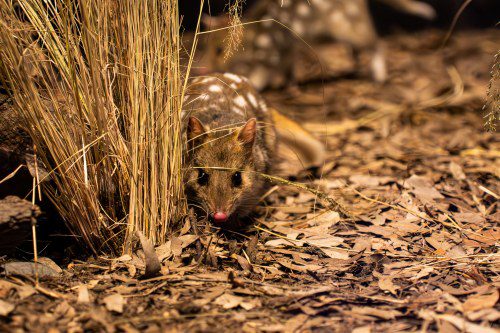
(220, 178)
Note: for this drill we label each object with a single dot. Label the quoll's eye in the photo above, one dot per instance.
(236, 179)
(202, 177)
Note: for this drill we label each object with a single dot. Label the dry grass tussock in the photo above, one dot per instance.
(492, 106)
(99, 87)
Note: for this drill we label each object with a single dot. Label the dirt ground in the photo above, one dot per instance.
(418, 251)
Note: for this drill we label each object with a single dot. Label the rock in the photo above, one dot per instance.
(16, 216)
(29, 269)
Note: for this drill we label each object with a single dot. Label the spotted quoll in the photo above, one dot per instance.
(232, 139)
(267, 56)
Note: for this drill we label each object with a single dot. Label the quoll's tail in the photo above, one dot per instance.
(308, 150)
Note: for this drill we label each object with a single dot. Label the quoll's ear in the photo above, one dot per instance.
(247, 133)
(195, 129)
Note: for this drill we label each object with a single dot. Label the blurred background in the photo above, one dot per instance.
(479, 14)
(322, 39)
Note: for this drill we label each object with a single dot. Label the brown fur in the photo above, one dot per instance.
(229, 130)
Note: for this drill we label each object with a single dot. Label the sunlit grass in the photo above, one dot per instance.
(98, 85)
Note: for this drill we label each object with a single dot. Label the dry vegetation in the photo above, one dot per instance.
(99, 85)
(492, 106)
(410, 160)
(235, 33)
(421, 255)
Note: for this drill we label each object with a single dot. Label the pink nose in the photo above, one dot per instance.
(220, 217)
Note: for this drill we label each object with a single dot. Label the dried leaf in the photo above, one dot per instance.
(250, 304)
(422, 273)
(456, 171)
(438, 242)
(422, 188)
(124, 258)
(188, 240)
(326, 219)
(6, 308)
(362, 329)
(387, 314)
(283, 242)
(406, 227)
(164, 251)
(385, 283)
(300, 268)
(176, 246)
(294, 324)
(228, 301)
(324, 241)
(491, 315)
(245, 265)
(466, 326)
(6, 287)
(114, 302)
(153, 265)
(25, 291)
(489, 237)
(369, 181)
(469, 217)
(482, 301)
(336, 254)
(83, 294)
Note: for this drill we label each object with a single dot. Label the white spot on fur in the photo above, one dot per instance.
(263, 106)
(263, 40)
(298, 27)
(252, 100)
(206, 79)
(259, 76)
(303, 9)
(238, 111)
(323, 5)
(285, 4)
(234, 77)
(240, 101)
(215, 88)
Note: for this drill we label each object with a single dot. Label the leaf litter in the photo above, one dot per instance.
(420, 253)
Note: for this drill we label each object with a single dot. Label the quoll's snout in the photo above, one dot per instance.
(219, 217)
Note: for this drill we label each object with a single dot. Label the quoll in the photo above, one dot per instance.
(232, 139)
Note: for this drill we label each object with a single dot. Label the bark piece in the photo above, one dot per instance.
(16, 216)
